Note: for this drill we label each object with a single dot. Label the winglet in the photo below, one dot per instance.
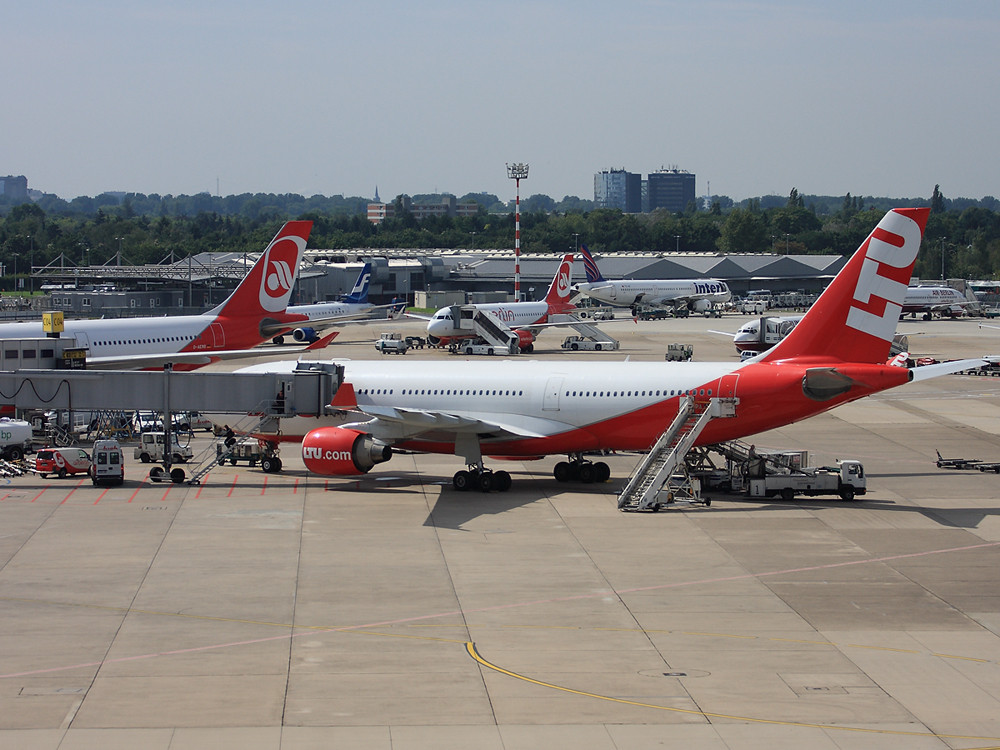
(321, 343)
(345, 397)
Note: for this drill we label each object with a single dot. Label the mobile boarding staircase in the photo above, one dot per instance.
(490, 330)
(587, 330)
(244, 431)
(662, 476)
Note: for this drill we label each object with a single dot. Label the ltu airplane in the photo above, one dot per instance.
(696, 294)
(529, 409)
(254, 313)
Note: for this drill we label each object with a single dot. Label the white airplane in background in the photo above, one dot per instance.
(353, 307)
(762, 333)
(253, 313)
(523, 318)
(524, 410)
(697, 294)
(935, 299)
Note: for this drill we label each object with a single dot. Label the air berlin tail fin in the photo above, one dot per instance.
(267, 289)
(855, 319)
(558, 294)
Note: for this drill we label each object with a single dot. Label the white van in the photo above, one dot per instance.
(107, 462)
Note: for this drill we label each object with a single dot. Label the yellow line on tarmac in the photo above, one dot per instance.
(470, 647)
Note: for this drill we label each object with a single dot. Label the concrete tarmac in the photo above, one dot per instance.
(293, 612)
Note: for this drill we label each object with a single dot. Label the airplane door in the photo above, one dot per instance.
(727, 385)
(218, 335)
(550, 399)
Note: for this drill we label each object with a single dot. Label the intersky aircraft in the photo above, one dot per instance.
(697, 294)
(350, 308)
(513, 409)
(524, 318)
(253, 313)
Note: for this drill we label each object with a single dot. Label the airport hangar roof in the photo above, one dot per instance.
(786, 271)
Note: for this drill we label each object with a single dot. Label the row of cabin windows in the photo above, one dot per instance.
(159, 340)
(501, 392)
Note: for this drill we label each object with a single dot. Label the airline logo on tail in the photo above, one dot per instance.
(558, 294)
(885, 273)
(590, 266)
(282, 258)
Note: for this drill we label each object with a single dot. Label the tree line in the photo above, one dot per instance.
(962, 234)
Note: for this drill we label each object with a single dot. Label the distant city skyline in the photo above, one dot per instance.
(884, 99)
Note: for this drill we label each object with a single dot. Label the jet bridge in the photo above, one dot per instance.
(306, 391)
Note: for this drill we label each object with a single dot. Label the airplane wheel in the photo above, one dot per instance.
(562, 471)
(267, 465)
(587, 473)
(485, 480)
(461, 480)
(602, 472)
(501, 481)
(177, 476)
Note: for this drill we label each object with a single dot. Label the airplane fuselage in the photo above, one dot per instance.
(512, 315)
(629, 292)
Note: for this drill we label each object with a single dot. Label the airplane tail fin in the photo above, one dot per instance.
(359, 294)
(590, 266)
(855, 318)
(559, 290)
(268, 287)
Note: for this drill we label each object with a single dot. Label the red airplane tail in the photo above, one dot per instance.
(855, 319)
(266, 290)
(559, 290)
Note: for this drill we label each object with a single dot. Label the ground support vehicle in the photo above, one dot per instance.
(62, 462)
(470, 347)
(252, 452)
(391, 343)
(15, 439)
(846, 479)
(582, 343)
(679, 353)
(415, 342)
(150, 449)
(107, 463)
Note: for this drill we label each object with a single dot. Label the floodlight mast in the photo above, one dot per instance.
(517, 172)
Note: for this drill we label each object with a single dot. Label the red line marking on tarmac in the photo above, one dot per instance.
(70, 494)
(295, 487)
(39, 494)
(263, 489)
(141, 485)
(166, 493)
(99, 497)
(418, 618)
(4, 497)
(200, 486)
(232, 487)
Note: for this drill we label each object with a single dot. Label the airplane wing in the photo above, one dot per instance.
(275, 328)
(196, 359)
(557, 320)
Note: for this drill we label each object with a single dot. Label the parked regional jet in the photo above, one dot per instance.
(529, 409)
(696, 294)
(353, 307)
(523, 318)
(253, 313)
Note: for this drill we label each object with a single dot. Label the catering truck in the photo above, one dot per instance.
(846, 479)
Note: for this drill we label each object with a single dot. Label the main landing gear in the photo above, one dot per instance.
(482, 479)
(578, 469)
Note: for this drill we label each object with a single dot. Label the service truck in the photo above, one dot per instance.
(846, 479)
(391, 343)
(15, 438)
(150, 448)
(575, 343)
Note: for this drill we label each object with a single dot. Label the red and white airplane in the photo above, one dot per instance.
(528, 409)
(523, 318)
(254, 313)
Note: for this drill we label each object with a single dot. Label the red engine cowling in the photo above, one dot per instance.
(336, 452)
(524, 338)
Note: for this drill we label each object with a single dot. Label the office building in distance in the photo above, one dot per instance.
(616, 188)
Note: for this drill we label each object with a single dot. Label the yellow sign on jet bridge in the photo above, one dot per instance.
(52, 322)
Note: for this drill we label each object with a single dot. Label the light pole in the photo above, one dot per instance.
(786, 242)
(677, 241)
(119, 249)
(517, 172)
(15, 270)
(942, 257)
(576, 242)
(31, 264)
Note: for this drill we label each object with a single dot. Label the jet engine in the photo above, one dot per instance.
(305, 335)
(340, 452)
(700, 305)
(525, 339)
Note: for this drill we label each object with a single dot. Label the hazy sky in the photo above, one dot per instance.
(872, 98)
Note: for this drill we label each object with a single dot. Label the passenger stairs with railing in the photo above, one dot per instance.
(662, 477)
